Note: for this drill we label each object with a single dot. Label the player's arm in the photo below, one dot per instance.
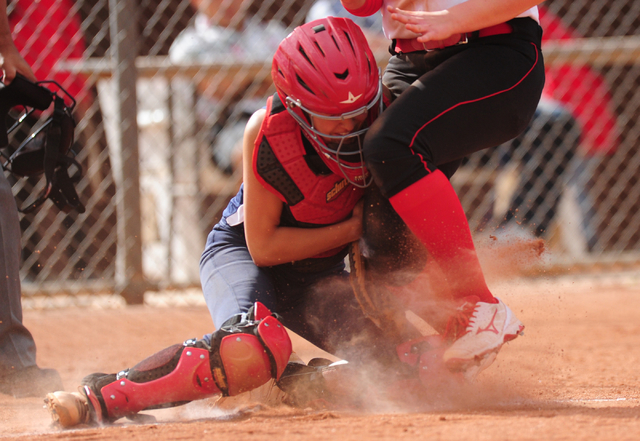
(10, 59)
(271, 244)
(463, 17)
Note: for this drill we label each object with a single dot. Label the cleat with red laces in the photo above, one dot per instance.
(477, 332)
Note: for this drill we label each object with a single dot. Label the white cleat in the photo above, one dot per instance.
(478, 332)
(68, 409)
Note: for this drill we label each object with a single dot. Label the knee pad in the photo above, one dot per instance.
(246, 352)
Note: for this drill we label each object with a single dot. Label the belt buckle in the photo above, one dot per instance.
(464, 39)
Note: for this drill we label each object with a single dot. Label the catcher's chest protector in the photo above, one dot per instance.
(280, 165)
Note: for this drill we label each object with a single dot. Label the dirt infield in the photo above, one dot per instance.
(574, 375)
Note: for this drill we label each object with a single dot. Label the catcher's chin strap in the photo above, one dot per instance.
(246, 352)
(59, 185)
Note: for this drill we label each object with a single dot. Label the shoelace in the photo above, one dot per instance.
(459, 322)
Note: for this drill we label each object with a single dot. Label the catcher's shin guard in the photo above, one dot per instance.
(246, 352)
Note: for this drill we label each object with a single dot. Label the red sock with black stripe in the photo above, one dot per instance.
(431, 209)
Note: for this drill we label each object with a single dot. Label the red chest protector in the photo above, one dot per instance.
(278, 160)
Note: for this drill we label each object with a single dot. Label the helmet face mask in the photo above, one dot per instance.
(341, 152)
(47, 148)
(325, 72)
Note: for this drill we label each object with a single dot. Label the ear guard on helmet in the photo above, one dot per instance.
(48, 149)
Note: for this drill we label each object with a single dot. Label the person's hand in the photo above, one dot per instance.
(11, 62)
(430, 26)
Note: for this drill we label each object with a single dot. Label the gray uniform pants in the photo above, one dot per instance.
(17, 348)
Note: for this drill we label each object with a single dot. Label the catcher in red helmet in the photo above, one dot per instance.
(277, 255)
(335, 97)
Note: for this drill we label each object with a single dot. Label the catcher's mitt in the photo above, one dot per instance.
(377, 303)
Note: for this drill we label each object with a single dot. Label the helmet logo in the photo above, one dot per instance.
(351, 99)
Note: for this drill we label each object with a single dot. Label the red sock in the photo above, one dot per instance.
(432, 211)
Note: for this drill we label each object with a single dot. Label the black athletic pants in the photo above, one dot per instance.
(452, 102)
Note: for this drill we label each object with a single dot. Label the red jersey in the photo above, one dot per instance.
(582, 90)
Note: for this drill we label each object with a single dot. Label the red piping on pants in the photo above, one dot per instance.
(466, 102)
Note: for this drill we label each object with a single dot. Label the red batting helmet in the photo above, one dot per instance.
(326, 69)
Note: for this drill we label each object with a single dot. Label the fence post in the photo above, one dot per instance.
(130, 281)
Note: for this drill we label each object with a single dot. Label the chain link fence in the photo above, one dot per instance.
(164, 90)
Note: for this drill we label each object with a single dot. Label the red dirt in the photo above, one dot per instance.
(574, 375)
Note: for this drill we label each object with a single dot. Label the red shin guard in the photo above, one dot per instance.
(245, 353)
(432, 211)
(190, 380)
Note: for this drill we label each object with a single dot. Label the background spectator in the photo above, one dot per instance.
(573, 128)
